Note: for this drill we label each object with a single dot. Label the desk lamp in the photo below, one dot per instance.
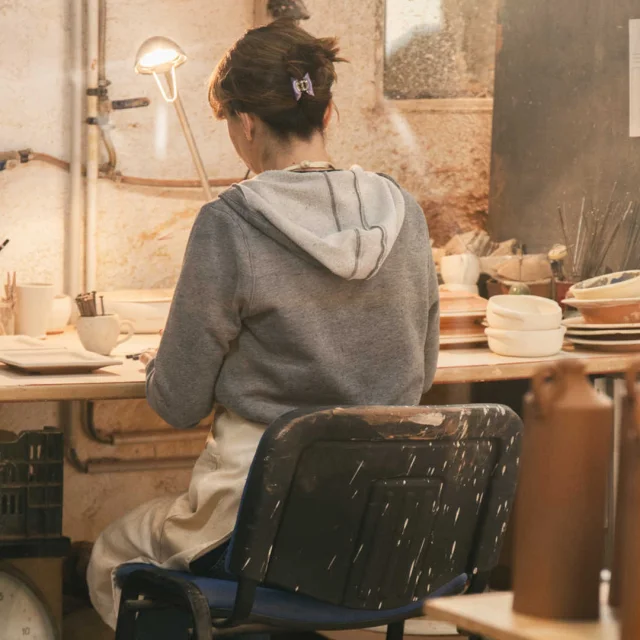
(159, 55)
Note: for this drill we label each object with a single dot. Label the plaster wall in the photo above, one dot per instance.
(442, 157)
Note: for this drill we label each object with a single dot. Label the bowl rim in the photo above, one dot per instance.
(553, 307)
(601, 302)
(579, 286)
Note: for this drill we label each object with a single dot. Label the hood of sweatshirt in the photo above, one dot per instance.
(348, 221)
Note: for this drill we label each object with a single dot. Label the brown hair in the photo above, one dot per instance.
(255, 76)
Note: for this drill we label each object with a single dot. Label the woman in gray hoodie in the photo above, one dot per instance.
(305, 286)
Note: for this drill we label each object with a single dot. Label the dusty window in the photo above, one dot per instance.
(439, 48)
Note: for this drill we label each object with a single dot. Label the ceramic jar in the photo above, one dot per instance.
(624, 590)
(559, 519)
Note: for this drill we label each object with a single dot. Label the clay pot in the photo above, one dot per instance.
(559, 527)
(624, 589)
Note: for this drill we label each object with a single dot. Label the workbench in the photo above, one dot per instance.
(127, 381)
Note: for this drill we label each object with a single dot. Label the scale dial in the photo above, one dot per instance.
(23, 614)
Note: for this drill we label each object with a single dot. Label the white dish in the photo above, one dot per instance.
(613, 346)
(523, 313)
(147, 309)
(581, 323)
(10, 343)
(591, 334)
(55, 360)
(526, 344)
(622, 284)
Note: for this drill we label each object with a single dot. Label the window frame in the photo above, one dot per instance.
(422, 105)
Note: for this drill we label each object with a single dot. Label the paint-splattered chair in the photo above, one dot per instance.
(351, 518)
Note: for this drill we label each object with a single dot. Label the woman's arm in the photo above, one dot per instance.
(205, 317)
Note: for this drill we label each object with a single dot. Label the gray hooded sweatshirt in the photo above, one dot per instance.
(300, 290)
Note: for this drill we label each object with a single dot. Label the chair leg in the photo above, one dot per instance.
(126, 625)
(395, 631)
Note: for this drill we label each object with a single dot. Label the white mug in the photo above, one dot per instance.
(33, 308)
(463, 268)
(101, 334)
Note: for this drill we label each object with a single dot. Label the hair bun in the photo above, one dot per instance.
(311, 58)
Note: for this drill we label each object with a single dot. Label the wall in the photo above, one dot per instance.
(562, 128)
(441, 157)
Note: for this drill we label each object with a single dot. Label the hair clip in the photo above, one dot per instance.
(302, 86)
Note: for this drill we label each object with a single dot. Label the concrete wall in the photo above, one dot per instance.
(442, 157)
(562, 128)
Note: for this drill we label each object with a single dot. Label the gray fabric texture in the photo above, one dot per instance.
(300, 290)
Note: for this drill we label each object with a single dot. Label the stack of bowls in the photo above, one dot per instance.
(524, 326)
(610, 308)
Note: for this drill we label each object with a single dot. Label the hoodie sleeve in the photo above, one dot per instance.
(432, 344)
(204, 319)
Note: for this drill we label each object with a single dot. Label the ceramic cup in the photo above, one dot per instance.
(100, 334)
(463, 268)
(33, 308)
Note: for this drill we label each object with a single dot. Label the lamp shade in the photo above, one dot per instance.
(159, 55)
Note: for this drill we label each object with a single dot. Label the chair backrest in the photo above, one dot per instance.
(376, 507)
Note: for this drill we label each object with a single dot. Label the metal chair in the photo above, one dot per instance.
(351, 518)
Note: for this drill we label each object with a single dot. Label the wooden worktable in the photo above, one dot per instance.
(491, 615)
(126, 381)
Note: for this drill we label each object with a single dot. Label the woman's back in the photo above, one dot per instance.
(313, 289)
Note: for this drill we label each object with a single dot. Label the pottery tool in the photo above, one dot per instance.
(4, 244)
(87, 306)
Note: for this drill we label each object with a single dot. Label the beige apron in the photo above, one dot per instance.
(170, 532)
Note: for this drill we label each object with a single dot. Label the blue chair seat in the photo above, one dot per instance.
(273, 607)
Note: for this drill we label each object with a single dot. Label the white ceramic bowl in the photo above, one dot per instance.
(147, 310)
(623, 284)
(525, 344)
(463, 268)
(523, 313)
(61, 309)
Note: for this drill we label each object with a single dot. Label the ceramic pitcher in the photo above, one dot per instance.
(559, 528)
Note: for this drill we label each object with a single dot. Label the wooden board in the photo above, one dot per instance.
(491, 615)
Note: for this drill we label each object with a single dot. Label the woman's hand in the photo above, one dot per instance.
(147, 356)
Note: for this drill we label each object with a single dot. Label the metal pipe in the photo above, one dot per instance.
(117, 465)
(71, 417)
(73, 231)
(154, 436)
(155, 183)
(93, 144)
(191, 142)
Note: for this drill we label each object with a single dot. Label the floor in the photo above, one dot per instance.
(85, 623)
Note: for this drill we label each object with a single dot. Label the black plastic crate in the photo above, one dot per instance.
(31, 471)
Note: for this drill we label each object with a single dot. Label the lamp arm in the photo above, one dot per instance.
(188, 134)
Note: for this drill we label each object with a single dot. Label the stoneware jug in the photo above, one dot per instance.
(624, 589)
(559, 527)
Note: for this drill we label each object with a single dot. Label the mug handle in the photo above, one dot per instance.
(130, 327)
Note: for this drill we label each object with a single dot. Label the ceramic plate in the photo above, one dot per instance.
(10, 343)
(55, 360)
(607, 334)
(613, 346)
(581, 323)
(601, 302)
